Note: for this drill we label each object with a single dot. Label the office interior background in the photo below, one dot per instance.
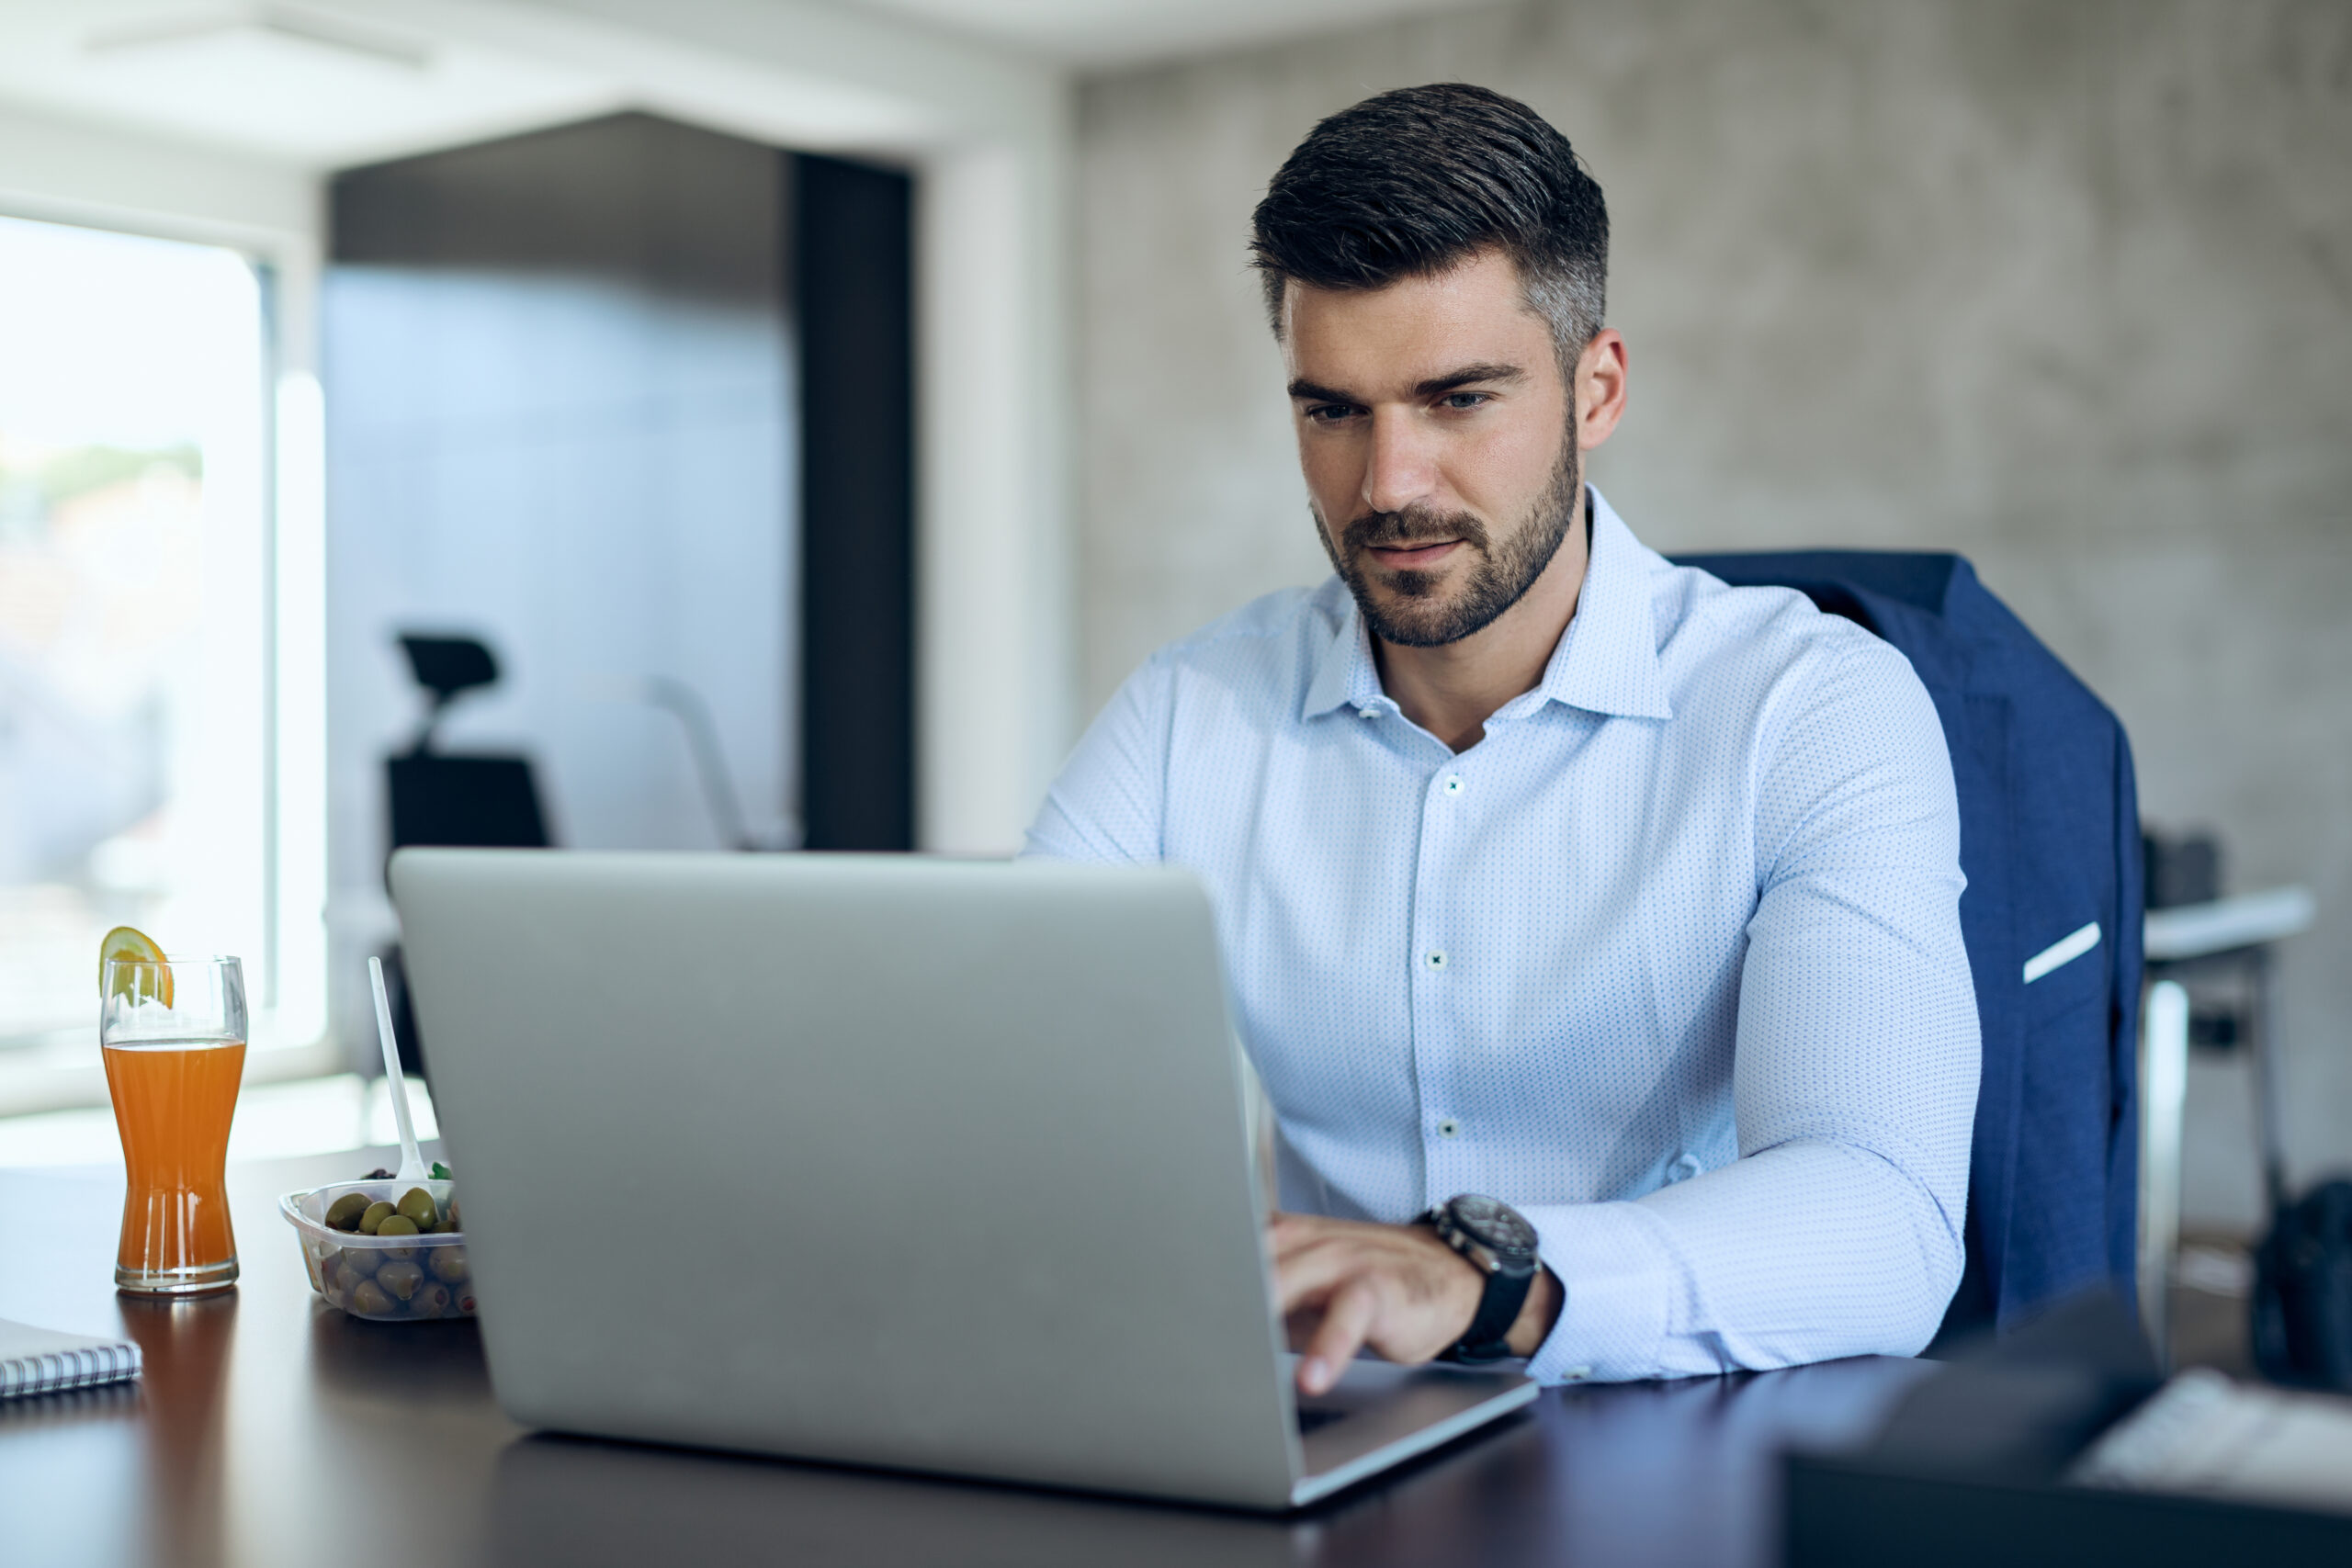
(322, 322)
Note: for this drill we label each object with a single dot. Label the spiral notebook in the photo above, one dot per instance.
(37, 1361)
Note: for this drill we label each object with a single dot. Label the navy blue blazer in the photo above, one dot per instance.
(2049, 841)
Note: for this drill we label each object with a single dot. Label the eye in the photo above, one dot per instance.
(1467, 399)
(1328, 414)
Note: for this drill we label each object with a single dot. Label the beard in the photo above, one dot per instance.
(1415, 612)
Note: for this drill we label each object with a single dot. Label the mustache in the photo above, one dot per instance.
(1413, 525)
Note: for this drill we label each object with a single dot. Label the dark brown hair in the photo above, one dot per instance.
(1414, 182)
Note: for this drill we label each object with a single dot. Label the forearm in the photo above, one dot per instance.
(1802, 1253)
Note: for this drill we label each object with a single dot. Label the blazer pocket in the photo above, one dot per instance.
(2069, 970)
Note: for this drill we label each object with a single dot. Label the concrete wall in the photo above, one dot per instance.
(2067, 288)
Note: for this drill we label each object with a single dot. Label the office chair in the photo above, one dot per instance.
(473, 800)
(476, 801)
(2050, 843)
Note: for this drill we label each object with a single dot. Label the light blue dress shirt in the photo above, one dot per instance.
(1670, 960)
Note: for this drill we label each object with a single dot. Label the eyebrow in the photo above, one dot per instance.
(1469, 375)
(1436, 385)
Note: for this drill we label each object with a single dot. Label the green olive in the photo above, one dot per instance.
(418, 1205)
(402, 1226)
(401, 1278)
(449, 1263)
(454, 1220)
(431, 1300)
(356, 1264)
(370, 1300)
(373, 1217)
(446, 1227)
(344, 1213)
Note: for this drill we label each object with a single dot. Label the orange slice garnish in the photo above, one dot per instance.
(123, 958)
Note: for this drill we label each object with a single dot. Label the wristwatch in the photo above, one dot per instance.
(1500, 1245)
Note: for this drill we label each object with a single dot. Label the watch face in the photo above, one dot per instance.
(1494, 1224)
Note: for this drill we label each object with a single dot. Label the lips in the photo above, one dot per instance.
(1410, 544)
(1415, 557)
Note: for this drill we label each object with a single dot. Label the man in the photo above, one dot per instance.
(1547, 871)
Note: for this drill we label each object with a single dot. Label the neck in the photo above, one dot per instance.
(1452, 690)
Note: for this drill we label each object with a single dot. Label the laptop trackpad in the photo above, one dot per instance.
(1378, 1404)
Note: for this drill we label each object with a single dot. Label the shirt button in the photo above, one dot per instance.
(1437, 960)
(1453, 784)
(1448, 1128)
(1367, 711)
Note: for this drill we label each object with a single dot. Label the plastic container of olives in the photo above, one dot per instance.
(405, 1278)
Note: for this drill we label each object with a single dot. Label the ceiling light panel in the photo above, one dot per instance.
(1120, 33)
(334, 33)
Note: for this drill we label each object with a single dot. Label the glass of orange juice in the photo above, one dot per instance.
(173, 1032)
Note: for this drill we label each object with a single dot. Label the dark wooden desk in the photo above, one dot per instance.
(272, 1429)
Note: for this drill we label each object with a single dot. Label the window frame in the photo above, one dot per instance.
(293, 1034)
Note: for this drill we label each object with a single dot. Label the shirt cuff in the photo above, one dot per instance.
(1616, 1271)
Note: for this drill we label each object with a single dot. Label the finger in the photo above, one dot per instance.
(1340, 1334)
(1292, 1233)
(1307, 1275)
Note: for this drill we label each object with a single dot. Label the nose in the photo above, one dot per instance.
(1400, 468)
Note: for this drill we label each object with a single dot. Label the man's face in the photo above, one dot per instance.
(1434, 430)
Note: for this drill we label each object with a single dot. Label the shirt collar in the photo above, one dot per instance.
(1605, 662)
(1347, 677)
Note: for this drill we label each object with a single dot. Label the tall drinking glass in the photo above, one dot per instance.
(174, 1037)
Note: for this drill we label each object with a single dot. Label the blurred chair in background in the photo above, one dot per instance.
(470, 799)
(2212, 959)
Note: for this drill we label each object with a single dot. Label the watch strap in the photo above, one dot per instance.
(1488, 1338)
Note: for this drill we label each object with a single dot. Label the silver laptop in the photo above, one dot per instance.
(922, 1164)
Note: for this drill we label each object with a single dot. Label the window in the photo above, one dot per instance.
(144, 770)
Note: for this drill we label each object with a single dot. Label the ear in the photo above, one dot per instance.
(1600, 387)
